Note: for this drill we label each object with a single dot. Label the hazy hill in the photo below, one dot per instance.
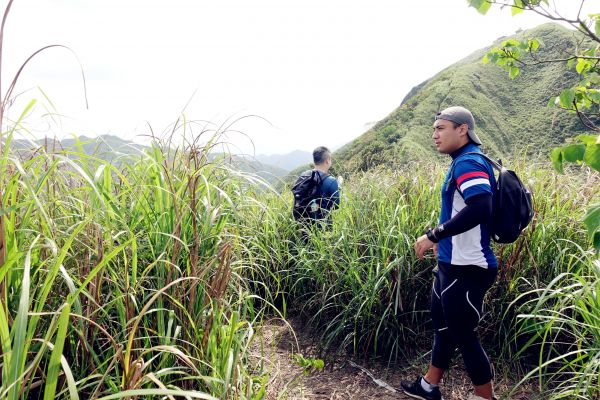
(114, 149)
(105, 147)
(511, 115)
(268, 172)
(287, 161)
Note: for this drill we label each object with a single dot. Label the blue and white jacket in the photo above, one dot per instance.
(469, 175)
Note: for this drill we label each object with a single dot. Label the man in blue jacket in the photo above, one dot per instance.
(316, 192)
(467, 266)
(330, 194)
(327, 193)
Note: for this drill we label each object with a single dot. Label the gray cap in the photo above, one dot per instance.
(460, 115)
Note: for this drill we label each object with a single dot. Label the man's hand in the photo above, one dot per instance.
(422, 245)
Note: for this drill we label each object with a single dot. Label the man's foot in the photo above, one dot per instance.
(416, 390)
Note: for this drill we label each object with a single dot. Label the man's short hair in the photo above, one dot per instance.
(321, 154)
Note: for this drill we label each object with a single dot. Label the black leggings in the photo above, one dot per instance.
(456, 308)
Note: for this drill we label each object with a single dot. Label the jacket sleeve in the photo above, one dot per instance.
(478, 211)
(330, 193)
(472, 178)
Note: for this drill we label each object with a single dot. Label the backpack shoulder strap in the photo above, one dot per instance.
(495, 164)
(322, 176)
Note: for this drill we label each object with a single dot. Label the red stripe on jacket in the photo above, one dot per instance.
(469, 175)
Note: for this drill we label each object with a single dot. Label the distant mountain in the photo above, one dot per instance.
(114, 149)
(511, 116)
(288, 161)
(270, 173)
(105, 147)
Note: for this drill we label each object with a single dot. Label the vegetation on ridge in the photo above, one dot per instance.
(511, 115)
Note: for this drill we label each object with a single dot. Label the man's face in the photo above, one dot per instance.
(447, 138)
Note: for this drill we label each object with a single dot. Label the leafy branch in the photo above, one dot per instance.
(582, 99)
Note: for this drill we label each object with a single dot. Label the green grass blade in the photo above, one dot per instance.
(55, 358)
(19, 353)
(158, 392)
(5, 339)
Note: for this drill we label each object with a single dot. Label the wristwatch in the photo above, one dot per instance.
(431, 235)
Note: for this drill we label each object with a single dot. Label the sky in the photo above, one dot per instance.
(276, 75)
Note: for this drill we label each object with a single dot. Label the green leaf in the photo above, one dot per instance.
(581, 65)
(589, 139)
(592, 223)
(319, 364)
(596, 240)
(598, 26)
(552, 101)
(19, 330)
(566, 98)
(492, 56)
(480, 5)
(513, 72)
(534, 44)
(54, 364)
(557, 159)
(592, 156)
(517, 8)
(486, 59)
(573, 152)
(511, 43)
(475, 3)
(151, 393)
(485, 6)
(594, 95)
(5, 339)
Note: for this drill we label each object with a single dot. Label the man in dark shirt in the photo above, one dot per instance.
(467, 266)
(328, 195)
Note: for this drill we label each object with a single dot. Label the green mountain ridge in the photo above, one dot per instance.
(115, 150)
(512, 117)
(105, 147)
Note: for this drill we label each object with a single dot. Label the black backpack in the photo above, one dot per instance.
(512, 204)
(307, 191)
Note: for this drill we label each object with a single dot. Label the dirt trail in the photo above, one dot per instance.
(345, 378)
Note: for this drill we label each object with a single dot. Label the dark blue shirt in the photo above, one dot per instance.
(330, 192)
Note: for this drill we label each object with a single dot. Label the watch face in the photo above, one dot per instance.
(431, 236)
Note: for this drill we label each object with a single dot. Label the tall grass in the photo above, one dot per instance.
(150, 276)
(363, 290)
(121, 280)
(561, 323)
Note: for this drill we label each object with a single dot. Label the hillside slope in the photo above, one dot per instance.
(511, 115)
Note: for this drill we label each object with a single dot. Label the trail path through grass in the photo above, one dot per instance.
(346, 377)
